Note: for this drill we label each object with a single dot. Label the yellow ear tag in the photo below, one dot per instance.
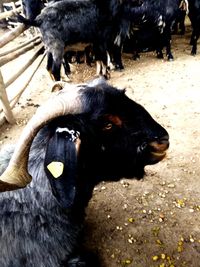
(56, 168)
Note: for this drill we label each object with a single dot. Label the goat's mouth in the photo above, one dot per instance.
(157, 156)
(158, 149)
(155, 151)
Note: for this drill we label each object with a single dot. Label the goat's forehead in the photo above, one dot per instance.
(97, 95)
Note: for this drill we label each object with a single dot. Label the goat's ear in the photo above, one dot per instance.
(61, 165)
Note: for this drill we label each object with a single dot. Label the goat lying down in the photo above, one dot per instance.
(81, 136)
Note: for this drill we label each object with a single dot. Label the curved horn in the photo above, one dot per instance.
(67, 101)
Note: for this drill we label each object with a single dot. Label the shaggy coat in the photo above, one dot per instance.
(194, 15)
(41, 225)
(98, 22)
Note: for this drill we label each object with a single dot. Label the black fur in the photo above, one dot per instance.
(194, 15)
(32, 8)
(151, 25)
(179, 24)
(42, 224)
(68, 22)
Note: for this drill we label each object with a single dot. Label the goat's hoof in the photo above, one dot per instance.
(119, 67)
(136, 58)
(170, 58)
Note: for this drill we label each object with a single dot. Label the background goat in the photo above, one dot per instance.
(151, 25)
(194, 15)
(83, 135)
(69, 22)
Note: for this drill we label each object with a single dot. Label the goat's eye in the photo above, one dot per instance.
(108, 126)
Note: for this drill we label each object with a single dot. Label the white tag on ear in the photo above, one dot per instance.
(56, 168)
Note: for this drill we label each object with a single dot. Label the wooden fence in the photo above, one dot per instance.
(6, 56)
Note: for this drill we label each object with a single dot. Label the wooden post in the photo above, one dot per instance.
(11, 35)
(5, 103)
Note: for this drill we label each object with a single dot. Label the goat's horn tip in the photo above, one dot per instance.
(7, 187)
(13, 179)
(58, 86)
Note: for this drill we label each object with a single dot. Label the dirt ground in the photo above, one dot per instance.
(154, 222)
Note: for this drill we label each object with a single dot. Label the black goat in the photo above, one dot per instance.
(144, 39)
(179, 24)
(194, 15)
(96, 22)
(84, 134)
(32, 8)
(152, 21)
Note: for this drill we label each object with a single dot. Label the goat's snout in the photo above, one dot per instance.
(160, 144)
(159, 147)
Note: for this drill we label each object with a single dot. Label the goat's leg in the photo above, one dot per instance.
(159, 53)
(105, 71)
(136, 54)
(56, 71)
(49, 63)
(167, 34)
(159, 48)
(57, 61)
(51, 67)
(193, 41)
(79, 56)
(66, 64)
(101, 63)
(89, 55)
(117, 57)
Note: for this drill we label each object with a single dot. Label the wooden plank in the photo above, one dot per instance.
(30, 61)
(15, 99)
(11, 35)
(4, 60)
(19, 46)
(10, 13)
(5, 103)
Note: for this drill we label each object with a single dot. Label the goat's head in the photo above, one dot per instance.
(95, 132)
